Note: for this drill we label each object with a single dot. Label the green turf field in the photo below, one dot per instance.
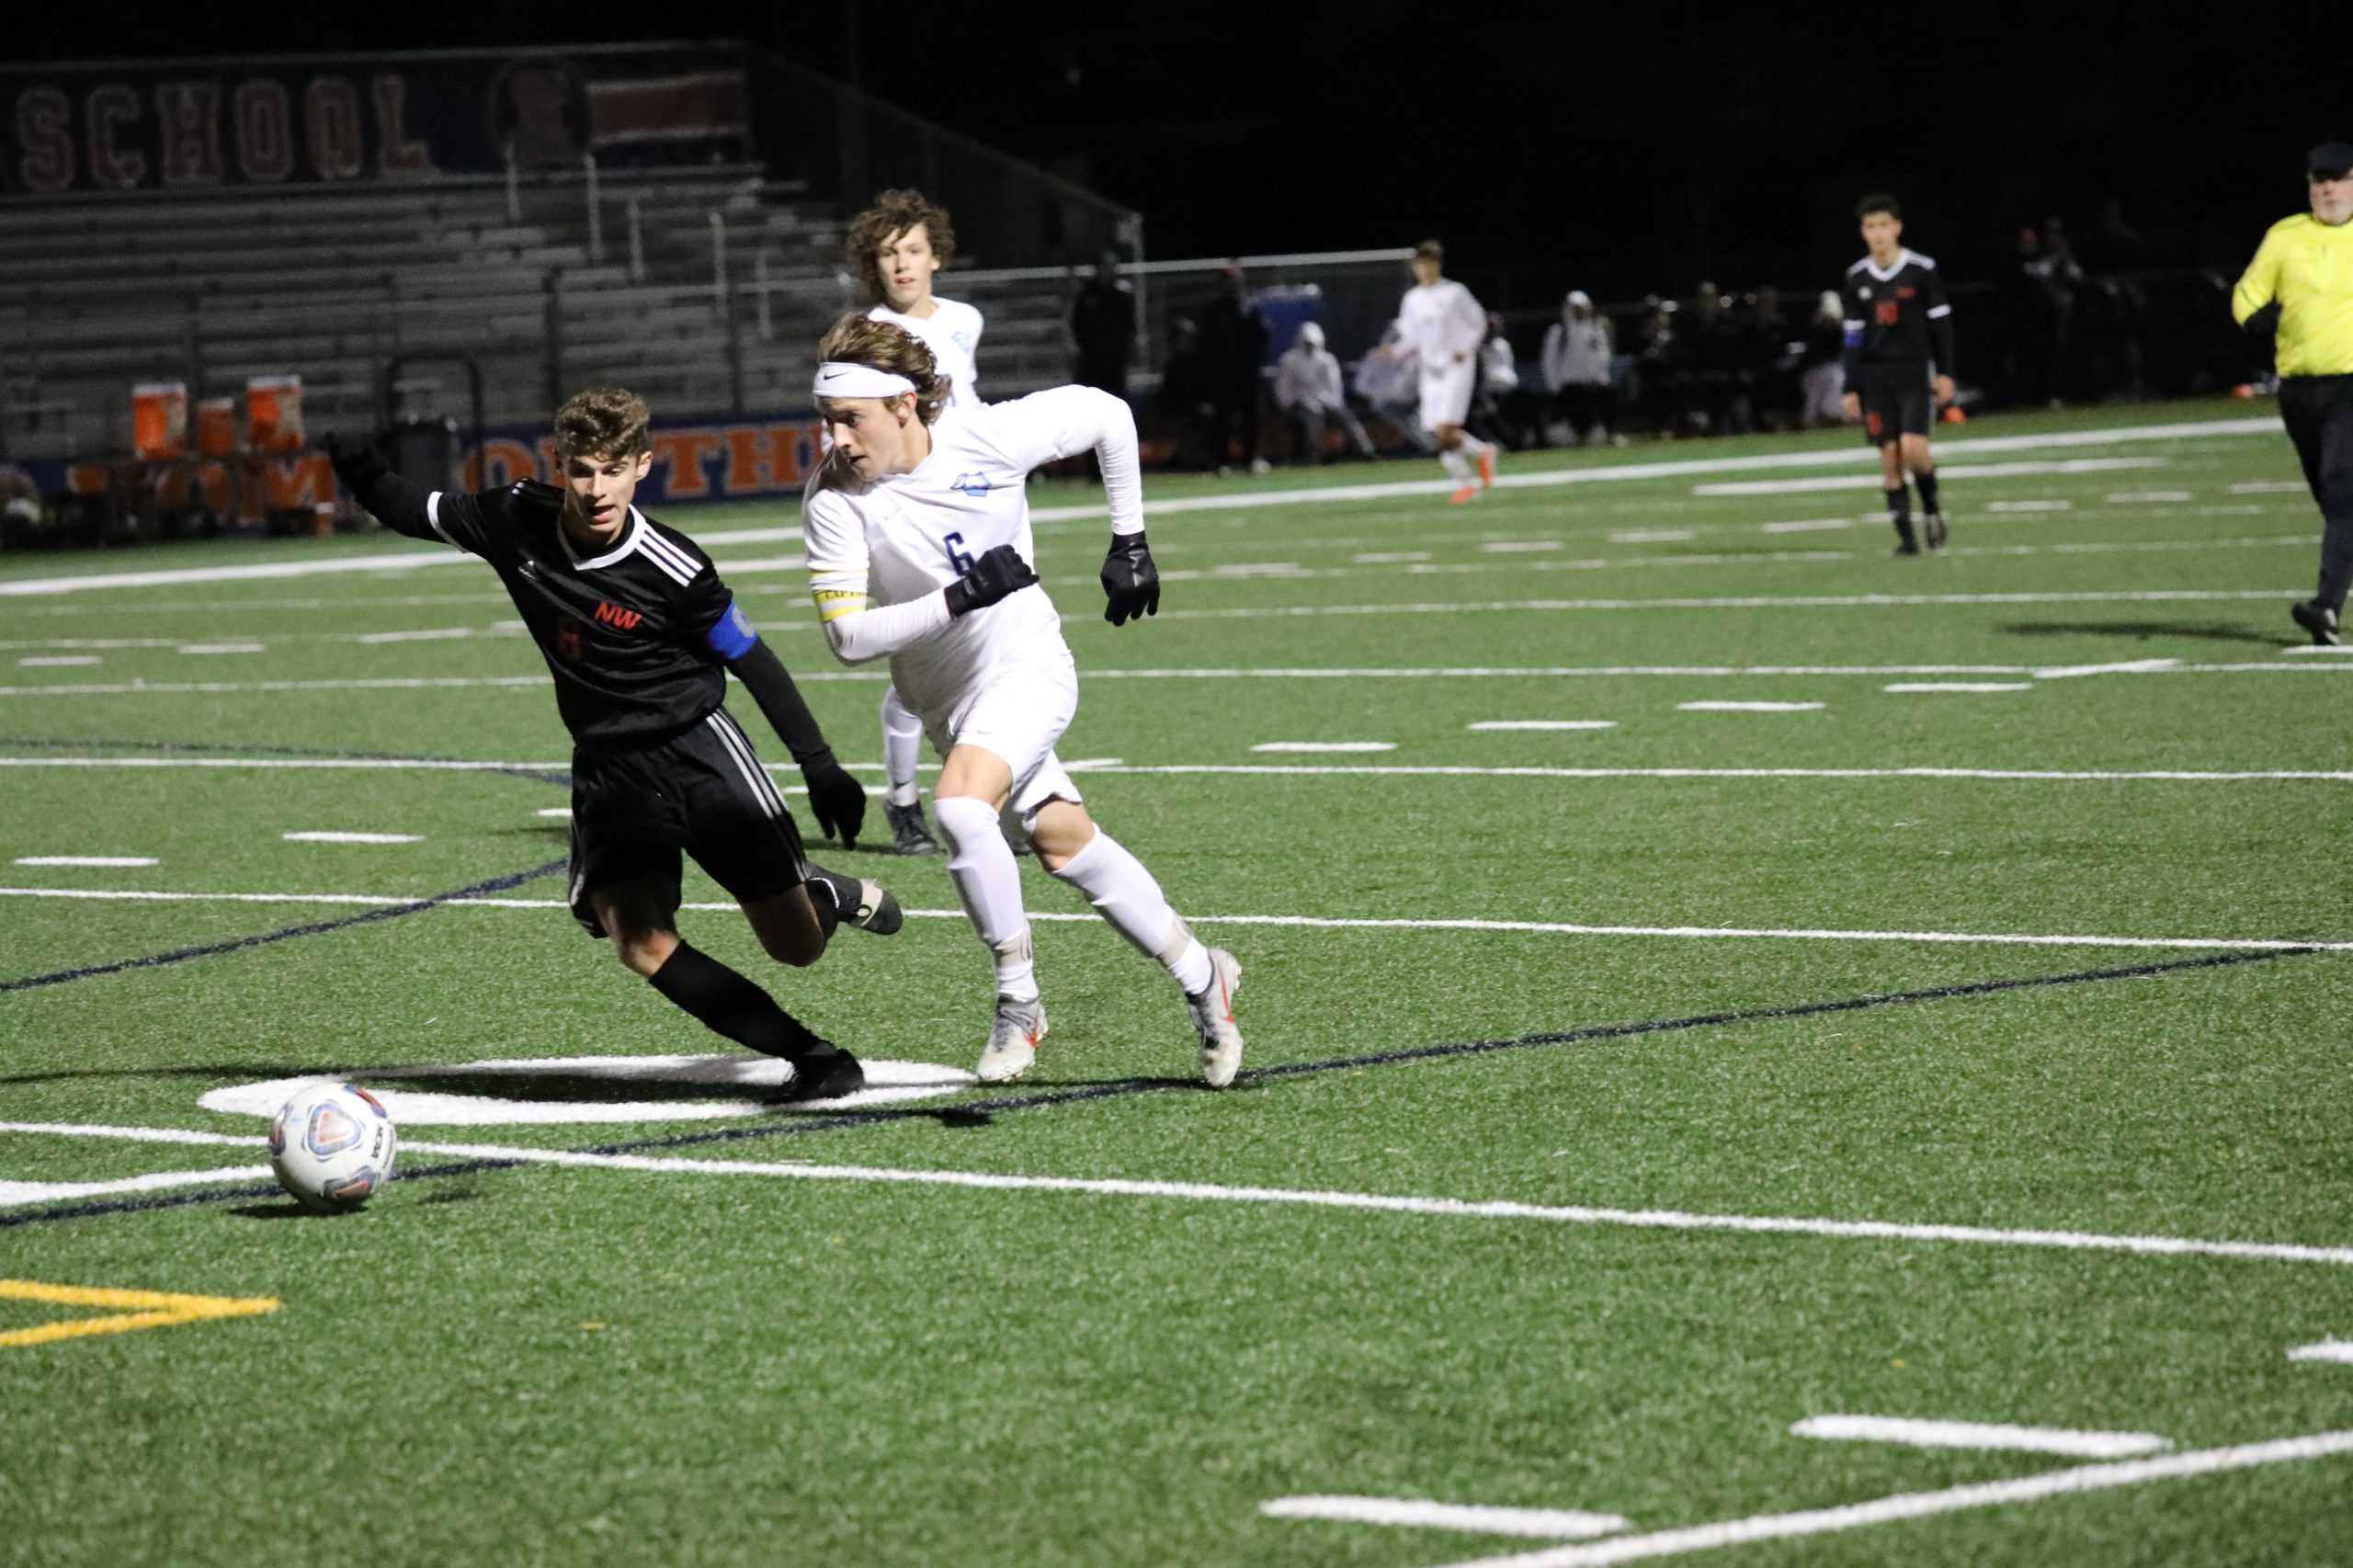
(1958, 1036)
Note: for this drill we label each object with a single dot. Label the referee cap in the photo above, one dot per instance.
(2330, 160)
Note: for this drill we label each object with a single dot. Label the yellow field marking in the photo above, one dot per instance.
(155, 1309)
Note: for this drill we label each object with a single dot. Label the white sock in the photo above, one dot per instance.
(1458, 466)
(1128, 896)
(989, 883)
(902, 736)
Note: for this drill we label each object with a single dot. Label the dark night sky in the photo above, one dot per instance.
(1628, 148)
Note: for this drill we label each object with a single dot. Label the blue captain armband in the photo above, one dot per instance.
(731, 636)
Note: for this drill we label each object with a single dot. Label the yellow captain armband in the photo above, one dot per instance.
(835, 603)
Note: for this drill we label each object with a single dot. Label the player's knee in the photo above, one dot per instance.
(795, 949)
(964, 819)
(644, 950)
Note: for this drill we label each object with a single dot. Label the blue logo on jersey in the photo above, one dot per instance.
(972, 484)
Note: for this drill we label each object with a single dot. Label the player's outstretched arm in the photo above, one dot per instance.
(409, 508)
(836, 799)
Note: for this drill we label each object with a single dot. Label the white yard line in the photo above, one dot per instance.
(15, 1193)
(2029, 505)
(1925, 1504)
(1317, 921)
(1925, 686)
(1720, 707)
(428, 634)
(1827, 457)
(1945, 470)
(2336, 1350)
(1281, 769)
(1415, 1513)
(1325, 745)
(86, 860)
(1495, 724)
(1919, 1434)
(1373, 1202)
(324, 836)
(59, 661)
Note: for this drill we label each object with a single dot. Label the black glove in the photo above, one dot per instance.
(997, 573)
(356, 461)
(1130, 580)
(836, 799)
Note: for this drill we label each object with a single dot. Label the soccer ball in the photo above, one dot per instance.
(332, 1146)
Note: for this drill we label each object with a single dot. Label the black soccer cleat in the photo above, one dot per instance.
(908, 832)
(1906, 546)
(1934, 523)
(827, 1072)
(2317, 619)
(854, 901)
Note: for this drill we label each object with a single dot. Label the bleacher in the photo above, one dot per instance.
(99, 292)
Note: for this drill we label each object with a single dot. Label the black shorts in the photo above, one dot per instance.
(1895, 401)
(701, 792)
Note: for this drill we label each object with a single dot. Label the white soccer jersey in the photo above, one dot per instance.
(1440, 321)
(952, 333)
(899, 539)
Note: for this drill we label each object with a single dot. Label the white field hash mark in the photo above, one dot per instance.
(1316, 922)
(1926, 1505)
(1922, 1434)
(2326, 1350)
(1370, 1202)
(1539, 1524)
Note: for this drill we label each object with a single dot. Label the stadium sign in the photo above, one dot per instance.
(206, 124)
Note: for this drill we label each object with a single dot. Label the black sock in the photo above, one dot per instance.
(1899, 508)
(1927, 483)
(730, 1004)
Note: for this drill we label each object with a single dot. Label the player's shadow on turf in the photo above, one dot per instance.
(2141, 631)
(235, 1072)
(601, 1090)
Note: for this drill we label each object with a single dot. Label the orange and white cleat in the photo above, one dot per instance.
(1212, 1014)
(1013, 1041)
(1488, 469)
(1464, 496)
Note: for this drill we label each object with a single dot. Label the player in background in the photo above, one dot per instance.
(920, 549)
(897, 246)
(1444, 326)
(640, 635)
(1898, 329)
(2299, 287)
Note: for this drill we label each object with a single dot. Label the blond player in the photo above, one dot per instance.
(1444, 326)
(897, 246)
(920, 549)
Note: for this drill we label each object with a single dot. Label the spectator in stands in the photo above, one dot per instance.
(1772, 356)
(1500, 409)
(1389, 379)
(1822, 379)
(1183, 405)
(1659, 362)
(1577, 355)
(1307, 390)
(1233, 357)
(1714, 360)
(1103, 324)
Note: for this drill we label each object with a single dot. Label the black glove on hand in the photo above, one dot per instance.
(1130, 580)
(836, 799)
(355, 460)
(997, 573)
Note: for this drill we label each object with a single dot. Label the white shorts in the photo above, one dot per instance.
(1018, 715)
(1446, 393)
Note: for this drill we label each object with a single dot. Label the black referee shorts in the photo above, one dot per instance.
(2318, 412)
(701, 792)
(1895, 401)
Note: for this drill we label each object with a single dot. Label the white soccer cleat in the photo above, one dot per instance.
(1013, 1041)
(1213, 1012)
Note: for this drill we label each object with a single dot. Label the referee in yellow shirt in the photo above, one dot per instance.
(2302, 277)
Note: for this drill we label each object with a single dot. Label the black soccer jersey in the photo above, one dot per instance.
(635, 634)
(1897, 317)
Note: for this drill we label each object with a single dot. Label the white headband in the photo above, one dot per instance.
(846, 377)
